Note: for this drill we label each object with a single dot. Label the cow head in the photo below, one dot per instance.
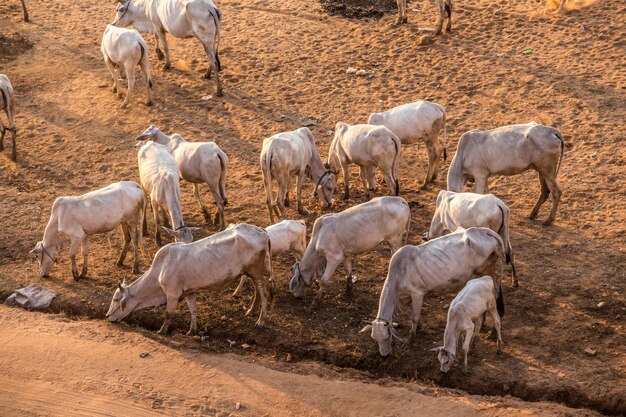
(46, 256)
(123, 14)
(370, 178)
(298, 284)
(446, 358)
(182, 234)
(325, 188)
(151, 133)
(382, 332)
(119, 307)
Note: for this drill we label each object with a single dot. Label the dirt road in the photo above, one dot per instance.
(54, 366)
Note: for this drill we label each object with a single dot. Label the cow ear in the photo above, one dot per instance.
(367, 328)
(168, 231)
(293, 284)
(394, 333)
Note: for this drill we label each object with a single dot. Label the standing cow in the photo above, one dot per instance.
(337, 237)
(200, 19)
(369, 147)
(412, 122)
(510, 150)
(454, 210)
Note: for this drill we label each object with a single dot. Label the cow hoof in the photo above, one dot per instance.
(219, 93)
(191, 333)
(207, 75)
(160, 55)
(75, 276)
(303, 211)
(166, 66)
(149, 103)
(123, 106)
(137, 271)
(259, 324)
(548, 222)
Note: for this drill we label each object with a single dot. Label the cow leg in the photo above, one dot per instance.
(542, 197)
(144, 220)
(214, 187)
(135, 235)
(196, 194)
(239, 288)
(417, 298)
(282, 190)
(158, 51)
(213, 65)
(191, 304)
(301, 209)
(363, 175)
(495, 318)
(480, 184)
(157, 223)
(161, 37)
(448, 8)
(440, 21)
(24, 10)
(347, 264)
(390, 180)
(73, 250)
(288, 193)
(130, 75)
(396, 242)
(433, 162)
(265, 292)
(399, 4)
(127, 239)
(556, 197)
(85, 249)
(468, 331)
(255, 299)
(346, 180)
(172, 302)
(113, 70)
(331, 265)
(2, 133)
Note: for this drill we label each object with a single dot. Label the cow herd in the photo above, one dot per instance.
(468, 238)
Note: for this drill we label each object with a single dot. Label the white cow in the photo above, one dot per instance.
(443, 7)
(465, 316)
(412, 122)
(288, 235)
(125, 47)
(443, 264)
(337, 237)
(98, 211)
(179, 269)
(369, 147)
(200, 19)
(454, 210)
(294, 153)
(7, 103)
(158, 174)
(197, 162)
(510, 150)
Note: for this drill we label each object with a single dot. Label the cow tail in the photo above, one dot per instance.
(223, 164)
(144, 206)
(500, 300)
(145, 63)
(504, 233)
(455, 172)
(267, 169)
(217, 18)
(270, 270)
(408, 228)
(558, 135)
(445, 135)
(396, 161)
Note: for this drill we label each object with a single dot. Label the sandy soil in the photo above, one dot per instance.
(286, 61)
(93, 368)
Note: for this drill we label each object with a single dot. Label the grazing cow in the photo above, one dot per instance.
(125, 47)
(443, 7)
(7, 103)
(179, 269)
(422, 120)
(99, 211)
(181, 18)
(443, 264)
(197, 162)
(336, 237)
(465, 316)
(369, 147)
(288, 235)
(294, 153)
(510, 150)
(158, 174)
(454, 210)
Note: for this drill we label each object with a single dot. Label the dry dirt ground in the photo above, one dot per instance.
(283, 61)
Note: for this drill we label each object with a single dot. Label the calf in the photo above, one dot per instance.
(510, 150)
(158, 174)
(422, 120)
(337, 237)
(369, 147)
(454, 210)
(288, 235)
(180, 269)
(7, 103)
(465, 316)
(125, 47)
(443, 264)
(98, 211)
(294, 153)
(197, 163)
